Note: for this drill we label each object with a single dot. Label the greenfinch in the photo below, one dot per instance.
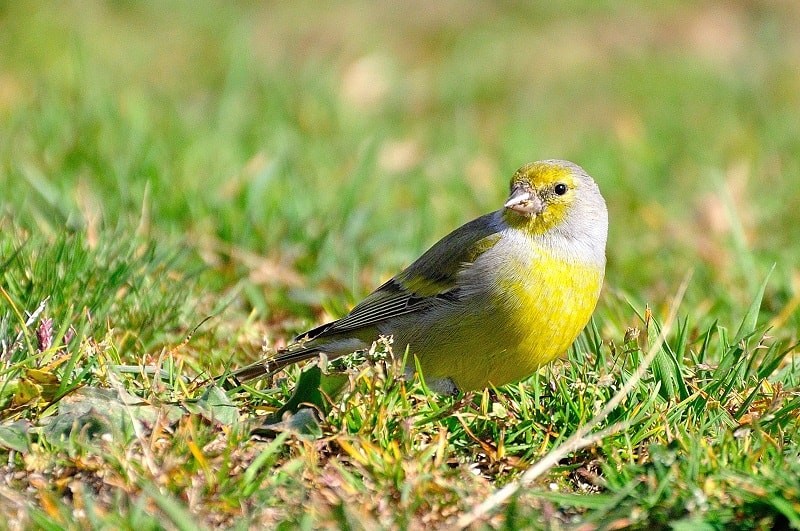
(492, 301)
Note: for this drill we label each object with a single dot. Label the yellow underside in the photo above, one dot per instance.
(529, 321)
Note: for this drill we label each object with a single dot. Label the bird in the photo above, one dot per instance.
(491, 302)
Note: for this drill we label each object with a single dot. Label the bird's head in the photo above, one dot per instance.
(555, 195)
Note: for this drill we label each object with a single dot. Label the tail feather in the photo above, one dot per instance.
(271, 366)
(294, 353)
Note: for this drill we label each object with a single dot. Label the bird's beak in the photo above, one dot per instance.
(524, 202)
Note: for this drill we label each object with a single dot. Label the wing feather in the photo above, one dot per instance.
(429, 281)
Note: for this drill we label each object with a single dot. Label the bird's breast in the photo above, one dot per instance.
(546, 300)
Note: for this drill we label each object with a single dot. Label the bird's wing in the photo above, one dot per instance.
(431, 279)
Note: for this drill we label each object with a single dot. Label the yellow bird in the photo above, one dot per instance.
(492, 301)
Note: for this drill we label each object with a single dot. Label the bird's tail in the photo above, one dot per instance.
(269, 366)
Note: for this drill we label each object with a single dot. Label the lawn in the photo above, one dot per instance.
(184, 186)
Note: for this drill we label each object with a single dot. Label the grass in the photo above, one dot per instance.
(184, 183)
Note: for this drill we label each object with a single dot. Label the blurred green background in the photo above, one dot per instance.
(267, 164)
(305, 151)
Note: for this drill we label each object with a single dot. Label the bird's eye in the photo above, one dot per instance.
(560, 189)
